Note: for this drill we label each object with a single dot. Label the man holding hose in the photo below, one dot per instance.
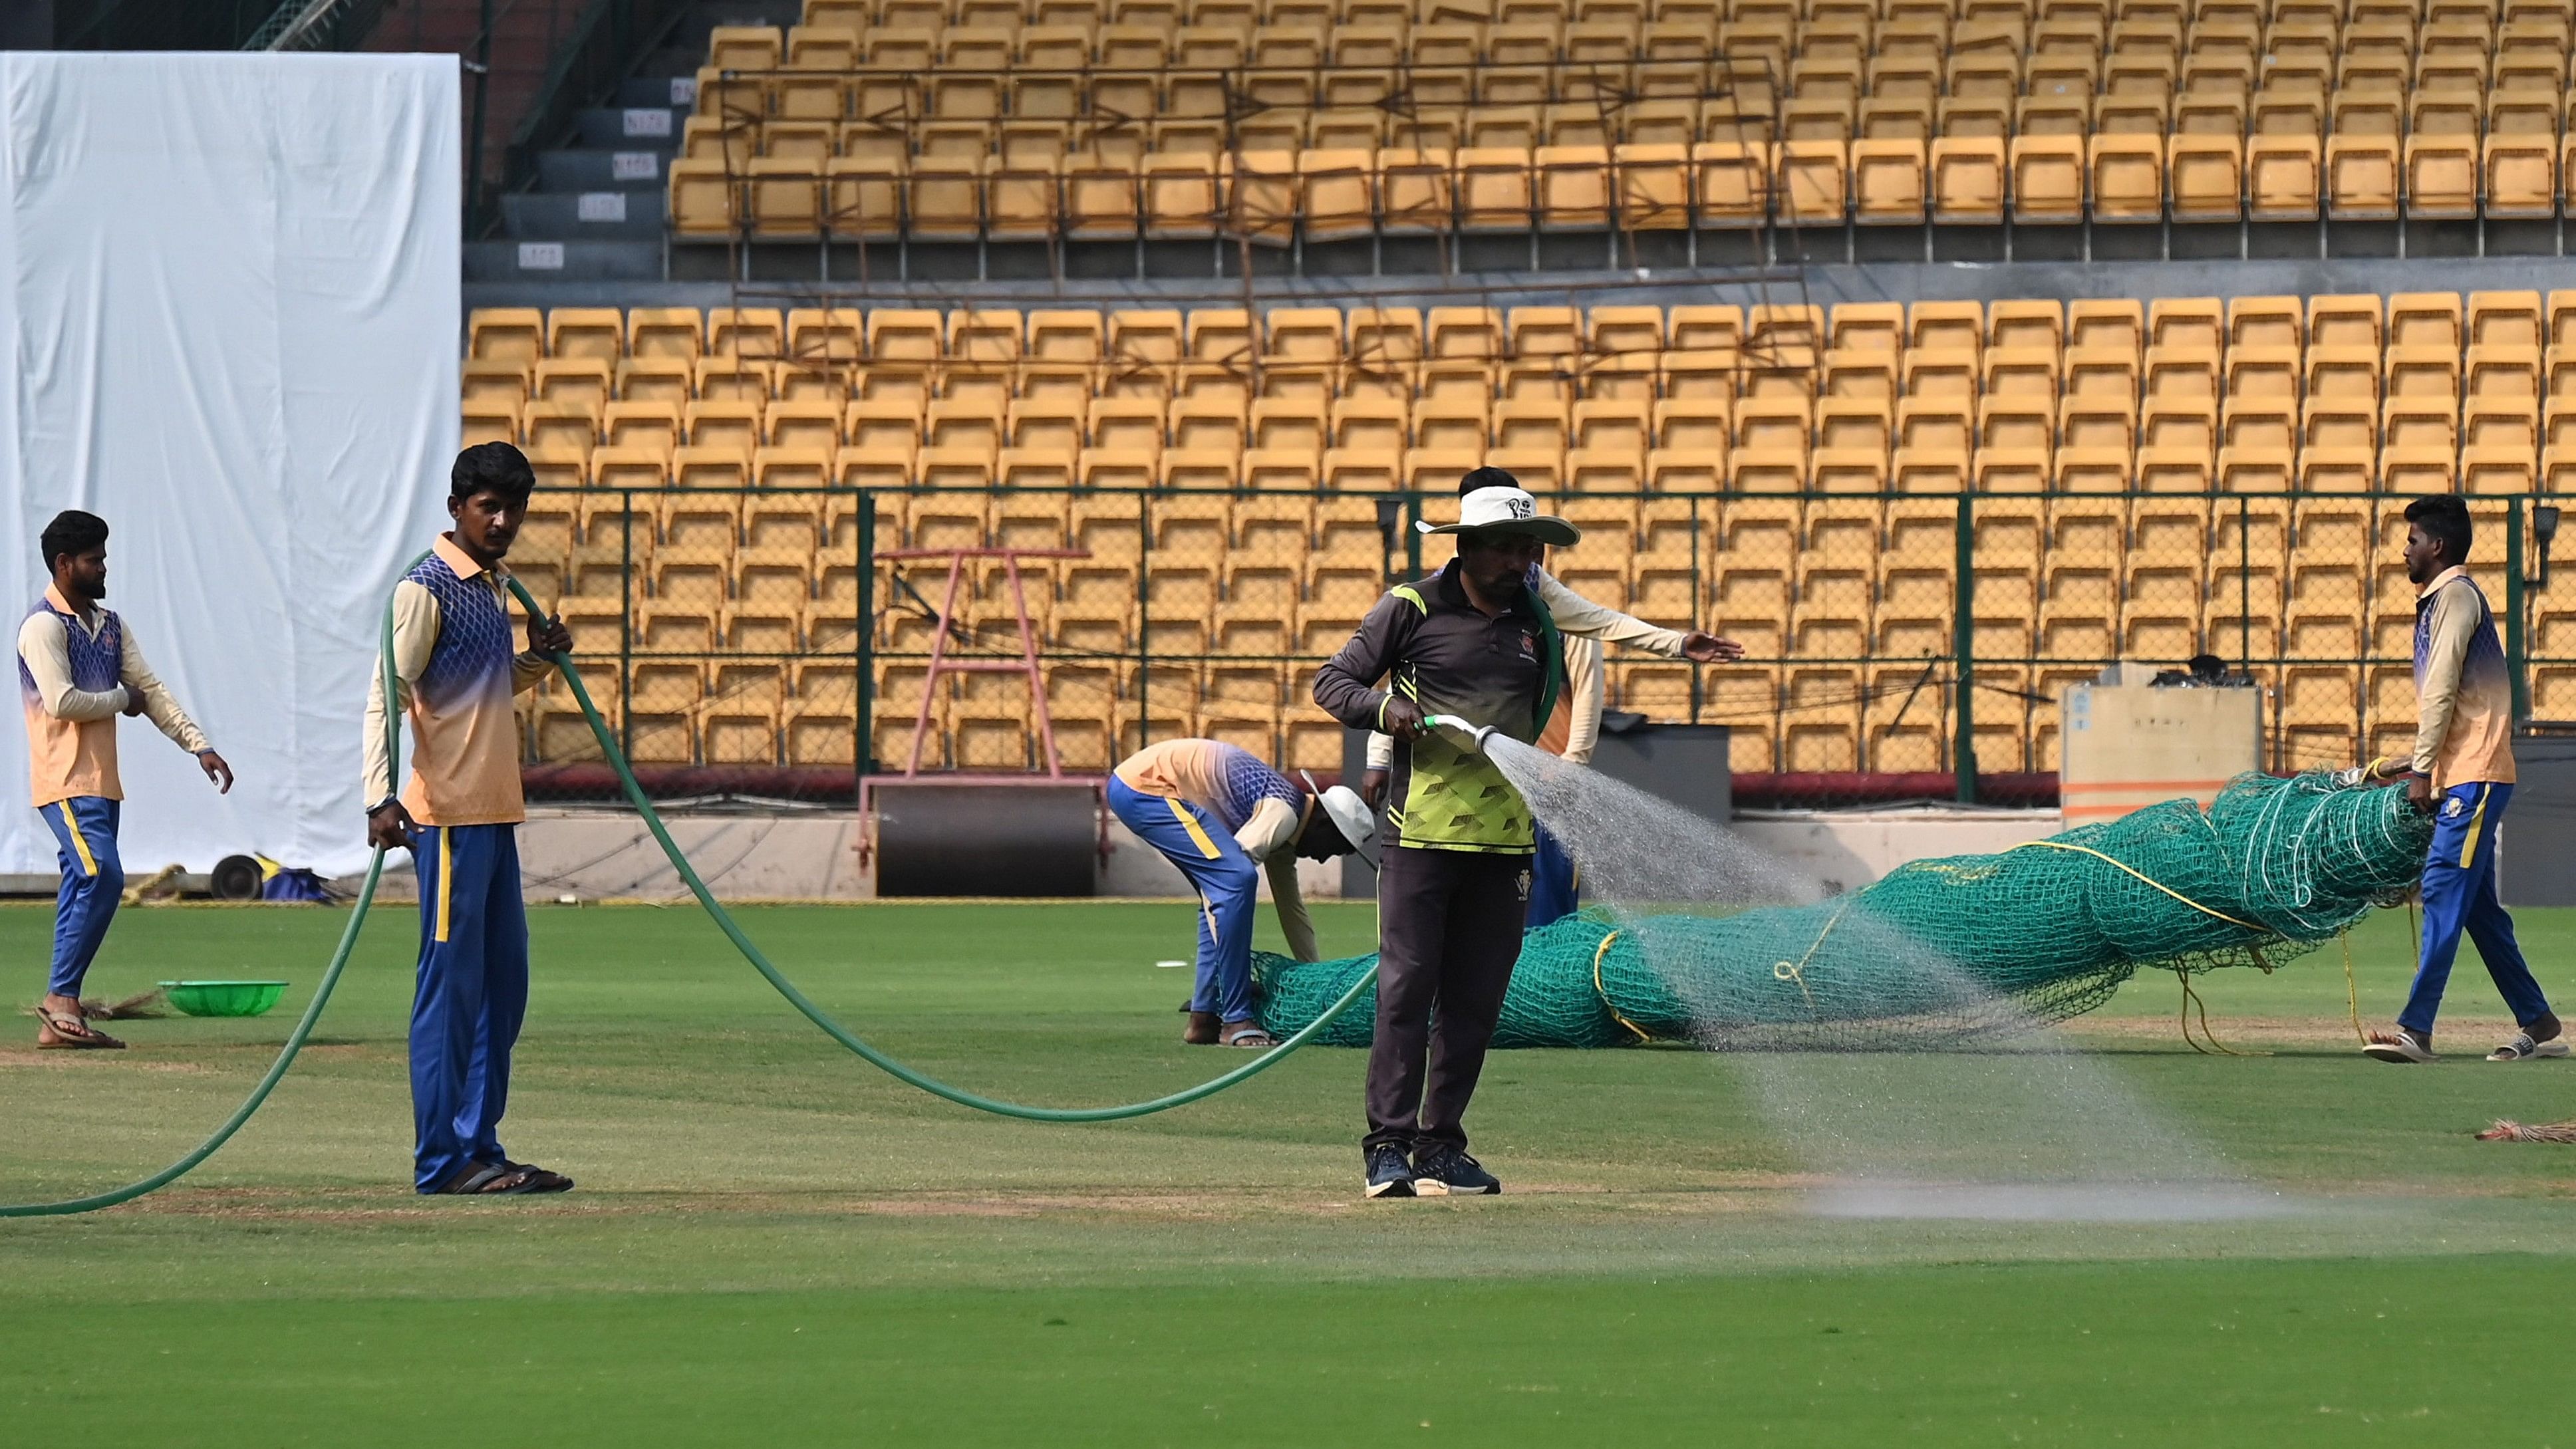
(1556, 883)
(455, 675)
(1474, 642)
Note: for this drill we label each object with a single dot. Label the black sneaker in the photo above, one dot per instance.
(1389, 1175)
(1445, 1171)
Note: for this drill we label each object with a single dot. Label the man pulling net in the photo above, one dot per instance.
(1217, 813)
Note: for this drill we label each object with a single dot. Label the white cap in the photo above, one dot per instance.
(1508, 510)
(1350, 815)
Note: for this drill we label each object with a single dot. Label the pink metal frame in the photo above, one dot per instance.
(1026, 664)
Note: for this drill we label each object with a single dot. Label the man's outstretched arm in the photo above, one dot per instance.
(153, 700)
(1579, 616)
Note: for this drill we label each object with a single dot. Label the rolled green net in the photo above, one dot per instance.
(1948, 949)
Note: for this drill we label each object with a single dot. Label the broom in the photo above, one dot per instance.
(140, 1006)
(2504, 1131)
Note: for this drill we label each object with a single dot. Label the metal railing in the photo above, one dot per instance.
(759, 634)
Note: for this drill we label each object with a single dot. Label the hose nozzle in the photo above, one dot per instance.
(1476, 734)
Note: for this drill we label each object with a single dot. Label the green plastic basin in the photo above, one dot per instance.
(224, 998)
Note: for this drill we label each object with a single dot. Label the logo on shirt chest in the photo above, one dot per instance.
(1529, 645)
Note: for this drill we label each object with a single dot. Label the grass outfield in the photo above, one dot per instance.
(773, 1240)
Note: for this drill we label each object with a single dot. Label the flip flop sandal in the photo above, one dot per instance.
(1249, 1037)
(2398, 1046)
(501, 1181)
(540, 1179)
(62, 1032)
(2522, 1049)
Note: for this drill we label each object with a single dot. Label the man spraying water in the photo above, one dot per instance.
(1575, 725)
(1476, 644)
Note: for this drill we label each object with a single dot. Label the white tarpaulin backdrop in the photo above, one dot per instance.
(228, 284)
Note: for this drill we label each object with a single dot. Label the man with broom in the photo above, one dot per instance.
(78, 669)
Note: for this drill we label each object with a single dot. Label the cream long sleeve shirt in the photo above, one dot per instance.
(465, 745)
(1586, 627)
(71, 732)
(2464, 693)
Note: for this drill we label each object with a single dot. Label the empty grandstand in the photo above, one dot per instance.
(2127, 481)
(1116, 344)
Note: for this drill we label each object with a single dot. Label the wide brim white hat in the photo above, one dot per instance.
(1351, 816)
(1507, 510)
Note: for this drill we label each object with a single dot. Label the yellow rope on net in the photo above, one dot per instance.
(2351, 992)
(2141, 875)
(2190, 1002)
(1604, 993)
(2190, 998)
(1784, 971)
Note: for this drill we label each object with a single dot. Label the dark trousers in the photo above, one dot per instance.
(1449, 931)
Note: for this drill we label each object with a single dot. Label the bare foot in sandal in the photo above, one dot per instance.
(61, 1027)
(2399, 1045)
(1246, 1033)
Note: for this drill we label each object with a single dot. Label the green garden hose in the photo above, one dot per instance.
(724, 920)
(303, 1027)
(839, 1033)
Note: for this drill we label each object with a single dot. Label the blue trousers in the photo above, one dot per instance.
(2460, 895)
(1556, 884)
(1228, 887)
(93, 882)
(472, 995)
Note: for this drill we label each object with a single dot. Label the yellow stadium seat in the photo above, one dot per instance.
(1732, 181)
(2127, 175)
(1888, 182)
(744, 47)
(2048, 179)
(2442, 174)
(499, 385)
(1967, 180)
(650, 425)
(1813, 182)
(2520, 176)
(578, 383)
(2361, 177)
(2206, 174)
(586, 332)
(705, 199)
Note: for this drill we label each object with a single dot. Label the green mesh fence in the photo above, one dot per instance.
(1948, 949)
